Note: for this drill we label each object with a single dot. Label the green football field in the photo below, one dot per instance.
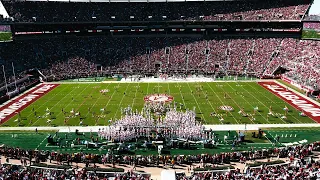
(87, 99)
(33, 140)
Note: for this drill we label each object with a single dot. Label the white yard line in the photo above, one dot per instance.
(248, 103)
(169, 89)
(197, 104)
(38, 107)
(221, 101)
(210, 104)
(41, 142)
(94, 103)
(121, 102)
(135, 94)
(184, 103)
(60, 101)
(273, 102)
(269, 139)
(108, 101)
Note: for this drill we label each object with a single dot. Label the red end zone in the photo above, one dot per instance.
(301, 103)
(12, 108)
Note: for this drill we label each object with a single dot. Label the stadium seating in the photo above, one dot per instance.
(49, 11)
(78, 57)
(74, 57)
(301, 57)
(300, 165)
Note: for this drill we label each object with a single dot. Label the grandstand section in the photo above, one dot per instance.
(117, 89)
(56, 11)
(233, 55)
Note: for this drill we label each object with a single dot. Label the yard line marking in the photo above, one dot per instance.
(277, 104)
(121, 102)
(209, 103)
(184, 103)
(16, 105)
(61, 100)
(41, 142)
(94, 102)
(87, 98)
(135, 94)
(169, 89)
(197, 103)
(269, 139)
(31, 113)
(262, 102)
(72, 97)
(297, 97)
(109, 100)
(248, 103)
(221, 101)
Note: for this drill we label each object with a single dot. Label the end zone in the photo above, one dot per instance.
(9, 110)
(297, 101)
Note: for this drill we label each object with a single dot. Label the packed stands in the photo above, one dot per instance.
(79, 57)
(301, 169)
(300, 165)
(49, 11)
(301, 57)
(12, 171)
(68, 57)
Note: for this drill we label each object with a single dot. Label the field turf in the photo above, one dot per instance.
(84, 96)
(32, 140)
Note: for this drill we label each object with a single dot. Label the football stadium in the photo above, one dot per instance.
(159, 89)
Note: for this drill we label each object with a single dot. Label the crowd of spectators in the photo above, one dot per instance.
(64, 58)
(12, 171)
(50, 11)
(301, 57)
(312, 25)
(300, 169)
(301, 166)
(65, 70)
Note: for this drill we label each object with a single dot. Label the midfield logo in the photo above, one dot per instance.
(158, 98)
(226, 108)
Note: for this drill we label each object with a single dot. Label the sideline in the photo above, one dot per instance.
(296, 100)
(14, 107)
(220, 127)
(16, 97)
